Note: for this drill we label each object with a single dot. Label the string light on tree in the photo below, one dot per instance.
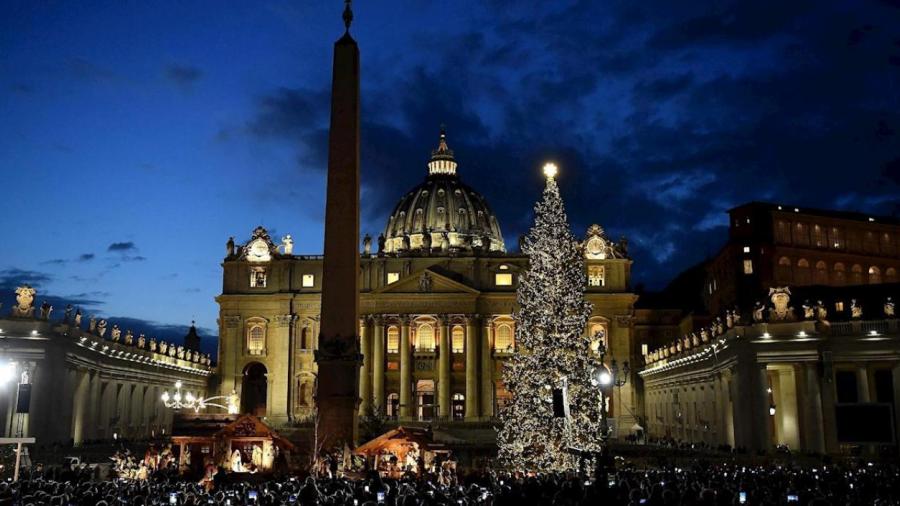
(552, 350)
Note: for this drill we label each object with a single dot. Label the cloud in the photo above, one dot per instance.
(55, 261)
(660, 118)
(85, 257)
(122, 246)
(182, 75)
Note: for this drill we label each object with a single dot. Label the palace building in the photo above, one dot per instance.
(437, 297)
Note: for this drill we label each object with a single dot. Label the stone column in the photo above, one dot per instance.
(444, 354)
(862, 383)
(471, 368)
(487, 368)
(378, 363)
(365, 371)
(895, 377)
(813, 433)
(829, 422)
(764, 429)
(405, 369)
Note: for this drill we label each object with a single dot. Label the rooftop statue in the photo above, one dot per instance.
(67, 314)
(889, 308)
(78, 318)
(367, 245)
(101, 328)
(153, 344)
(24, 307)
(116, 334)
(46, 309)
(142, 341)
(287, 245)
(129, 337)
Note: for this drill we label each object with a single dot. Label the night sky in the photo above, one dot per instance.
(136, 137)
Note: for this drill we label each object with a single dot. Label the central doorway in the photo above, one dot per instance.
(254, 388)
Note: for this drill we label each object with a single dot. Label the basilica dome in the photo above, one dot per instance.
(442, 214)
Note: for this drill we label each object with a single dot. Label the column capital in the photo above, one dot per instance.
(404, 319)
(377, 319)
(443, 319)
(471, 318)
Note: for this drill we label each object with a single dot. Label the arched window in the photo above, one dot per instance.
(783, 273)
(821, 276)
(801, 234)
(596, 275)
(887, 245)
(819, 239)
(783, 232)
(503, 342)
(597, 333)
(890, 275)
(874, 275)
(256, 339)
(802, 276)
(856, 276)
(840, 277)
(393, 339)
(425, 337)
(837, 238)
(393, 405)
(459, 406)
(458, 339)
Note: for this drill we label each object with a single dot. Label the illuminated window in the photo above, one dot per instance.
(748, 266)
(801, 234)
(802, 275)
(783, 273)
(256, 339)
(309, 280)
(393, 339)
(783, 232)
(425, 337)
(458, 339)
(459, 406)
(819, 239)
(856, 277)
(257, 277)
(890, 275)
(393, 277)
(839, 275)
(874, 275)
(821, 275)
(596, 275)
(746, 249)
(839, 306)
(503, 342)
(837, 241)
(393, 405)
(503, 279)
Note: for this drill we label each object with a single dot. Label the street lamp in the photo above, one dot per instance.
(604, 378)
(7, 372)
(189, 401)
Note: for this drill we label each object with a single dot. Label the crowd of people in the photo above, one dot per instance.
(702, 484)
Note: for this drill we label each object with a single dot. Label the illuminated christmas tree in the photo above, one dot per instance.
(551, 349)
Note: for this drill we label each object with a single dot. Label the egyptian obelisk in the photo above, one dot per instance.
(338, 357)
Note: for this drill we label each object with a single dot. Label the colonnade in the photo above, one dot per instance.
(476, 359)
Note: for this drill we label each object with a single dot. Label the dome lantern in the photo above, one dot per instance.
(442, 161)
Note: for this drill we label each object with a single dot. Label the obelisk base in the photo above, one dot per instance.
(337, 400)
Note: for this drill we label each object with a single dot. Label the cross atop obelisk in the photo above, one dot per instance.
(337, 392)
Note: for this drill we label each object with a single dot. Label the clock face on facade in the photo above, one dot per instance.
(258, 251)
(596, 248)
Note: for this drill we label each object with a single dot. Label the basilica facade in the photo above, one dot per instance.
(437, 297)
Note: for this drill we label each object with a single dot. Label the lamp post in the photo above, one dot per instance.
(189, 401)
(603, 378)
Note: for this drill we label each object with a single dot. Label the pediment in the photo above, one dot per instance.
(425, 281)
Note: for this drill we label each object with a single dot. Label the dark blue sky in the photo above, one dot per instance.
(135, 137)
